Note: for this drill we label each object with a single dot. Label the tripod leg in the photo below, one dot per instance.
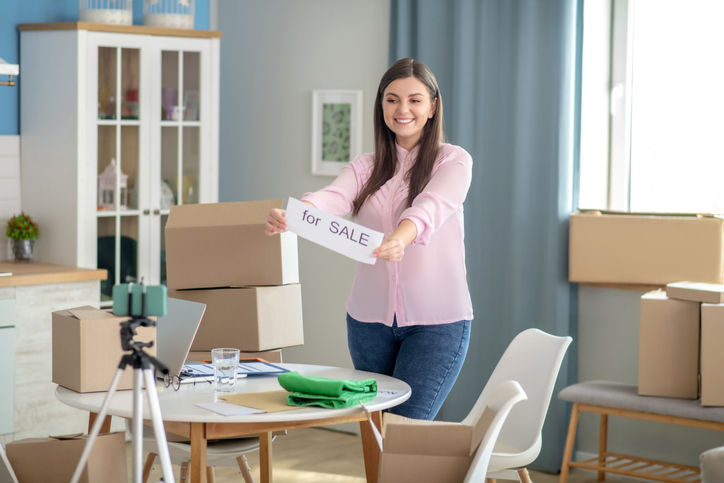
(96, 427)
(137, 425)
(158, 430)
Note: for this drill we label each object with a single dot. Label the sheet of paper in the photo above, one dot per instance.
(333, 232)
(228, 409)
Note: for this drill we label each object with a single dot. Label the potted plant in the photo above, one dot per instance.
(22, 232)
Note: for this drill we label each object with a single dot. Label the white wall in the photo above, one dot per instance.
(273, 54)
(9, 186)
(608, 335)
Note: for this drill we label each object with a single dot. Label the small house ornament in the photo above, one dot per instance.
(107, 188)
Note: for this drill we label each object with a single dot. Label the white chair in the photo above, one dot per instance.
(501, 402)
(533, 358)
(229, 452)
(7, 475)
(486, 420)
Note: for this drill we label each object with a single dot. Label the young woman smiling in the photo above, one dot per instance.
(408, 317)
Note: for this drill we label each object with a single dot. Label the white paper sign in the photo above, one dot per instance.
(333, 232)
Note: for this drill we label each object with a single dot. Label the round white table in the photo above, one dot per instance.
(181, 415)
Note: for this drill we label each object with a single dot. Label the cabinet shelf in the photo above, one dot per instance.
(180, 123)
(116, 122)
(112, 213)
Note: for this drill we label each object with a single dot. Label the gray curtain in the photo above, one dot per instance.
(509, 72)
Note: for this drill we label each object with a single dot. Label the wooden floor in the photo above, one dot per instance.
(321, 455)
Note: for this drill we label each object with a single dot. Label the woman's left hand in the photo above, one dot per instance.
(392, 249)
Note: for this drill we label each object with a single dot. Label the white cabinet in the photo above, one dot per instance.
(146, 98)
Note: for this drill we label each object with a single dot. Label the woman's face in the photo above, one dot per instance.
(406, 107)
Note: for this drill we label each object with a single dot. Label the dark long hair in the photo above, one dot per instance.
(385, 159)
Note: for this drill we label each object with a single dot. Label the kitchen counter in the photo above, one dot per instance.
(28, 298)
(31, 273)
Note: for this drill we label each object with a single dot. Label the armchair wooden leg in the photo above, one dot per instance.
(245, 470)
(602, 445)
(524, 476)
(147, 467)
(184, 476)
(210, 476)
(489, 480)
(570, 438)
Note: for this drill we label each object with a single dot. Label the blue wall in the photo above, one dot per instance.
(14, 12)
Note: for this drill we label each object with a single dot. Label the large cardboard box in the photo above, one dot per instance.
(248, 318)
(87, 349)
(712, 293)
(417, 450)
(274, 355)
(224, 245)
(53, 459)
(645, 249)
(712, 355)
(668, 346)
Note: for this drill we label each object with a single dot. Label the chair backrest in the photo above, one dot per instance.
(495, 411)
(533, 359)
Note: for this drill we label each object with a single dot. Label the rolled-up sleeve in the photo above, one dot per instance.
(442, 196)
(338, 197)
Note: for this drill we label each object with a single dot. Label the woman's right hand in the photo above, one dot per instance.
(276, 222)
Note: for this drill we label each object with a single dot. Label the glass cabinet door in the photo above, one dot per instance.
(180, 113)
(118, 166)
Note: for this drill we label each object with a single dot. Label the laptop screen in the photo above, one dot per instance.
(175, 332)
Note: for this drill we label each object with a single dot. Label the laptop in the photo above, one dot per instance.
(175, 332)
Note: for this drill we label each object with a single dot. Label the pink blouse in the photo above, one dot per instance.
(428, 286)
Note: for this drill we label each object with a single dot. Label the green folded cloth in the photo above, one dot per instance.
(325, 392)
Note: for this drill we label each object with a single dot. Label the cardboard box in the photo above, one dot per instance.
(87, 349)
(668, 346)
(53, 459)
(712, 293)
(274, 355)
(417, 450)
(712, 355)
(224, 245)
(248, 318)
(645, 249)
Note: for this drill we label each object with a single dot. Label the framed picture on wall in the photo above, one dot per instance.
(336, 129)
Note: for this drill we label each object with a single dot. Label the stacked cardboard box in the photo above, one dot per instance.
(630, 248)
(87, 349)
(219, 255)
(680, 342)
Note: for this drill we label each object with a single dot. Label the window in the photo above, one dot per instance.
(652, 133)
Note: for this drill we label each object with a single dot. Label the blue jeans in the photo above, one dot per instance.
(427, 357)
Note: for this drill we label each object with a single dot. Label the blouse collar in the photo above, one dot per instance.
(405, 156)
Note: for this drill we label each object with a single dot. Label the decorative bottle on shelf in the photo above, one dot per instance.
(107, 188)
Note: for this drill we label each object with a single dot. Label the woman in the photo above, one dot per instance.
(409, 316)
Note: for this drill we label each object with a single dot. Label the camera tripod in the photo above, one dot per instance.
(141, 363)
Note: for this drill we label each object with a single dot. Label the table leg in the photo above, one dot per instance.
(105, 427)
(370, 447)
(198, 452)
(265, 456)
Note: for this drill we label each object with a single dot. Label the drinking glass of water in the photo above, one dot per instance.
(225, 362)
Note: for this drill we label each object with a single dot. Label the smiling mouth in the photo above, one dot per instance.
(403, 121)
